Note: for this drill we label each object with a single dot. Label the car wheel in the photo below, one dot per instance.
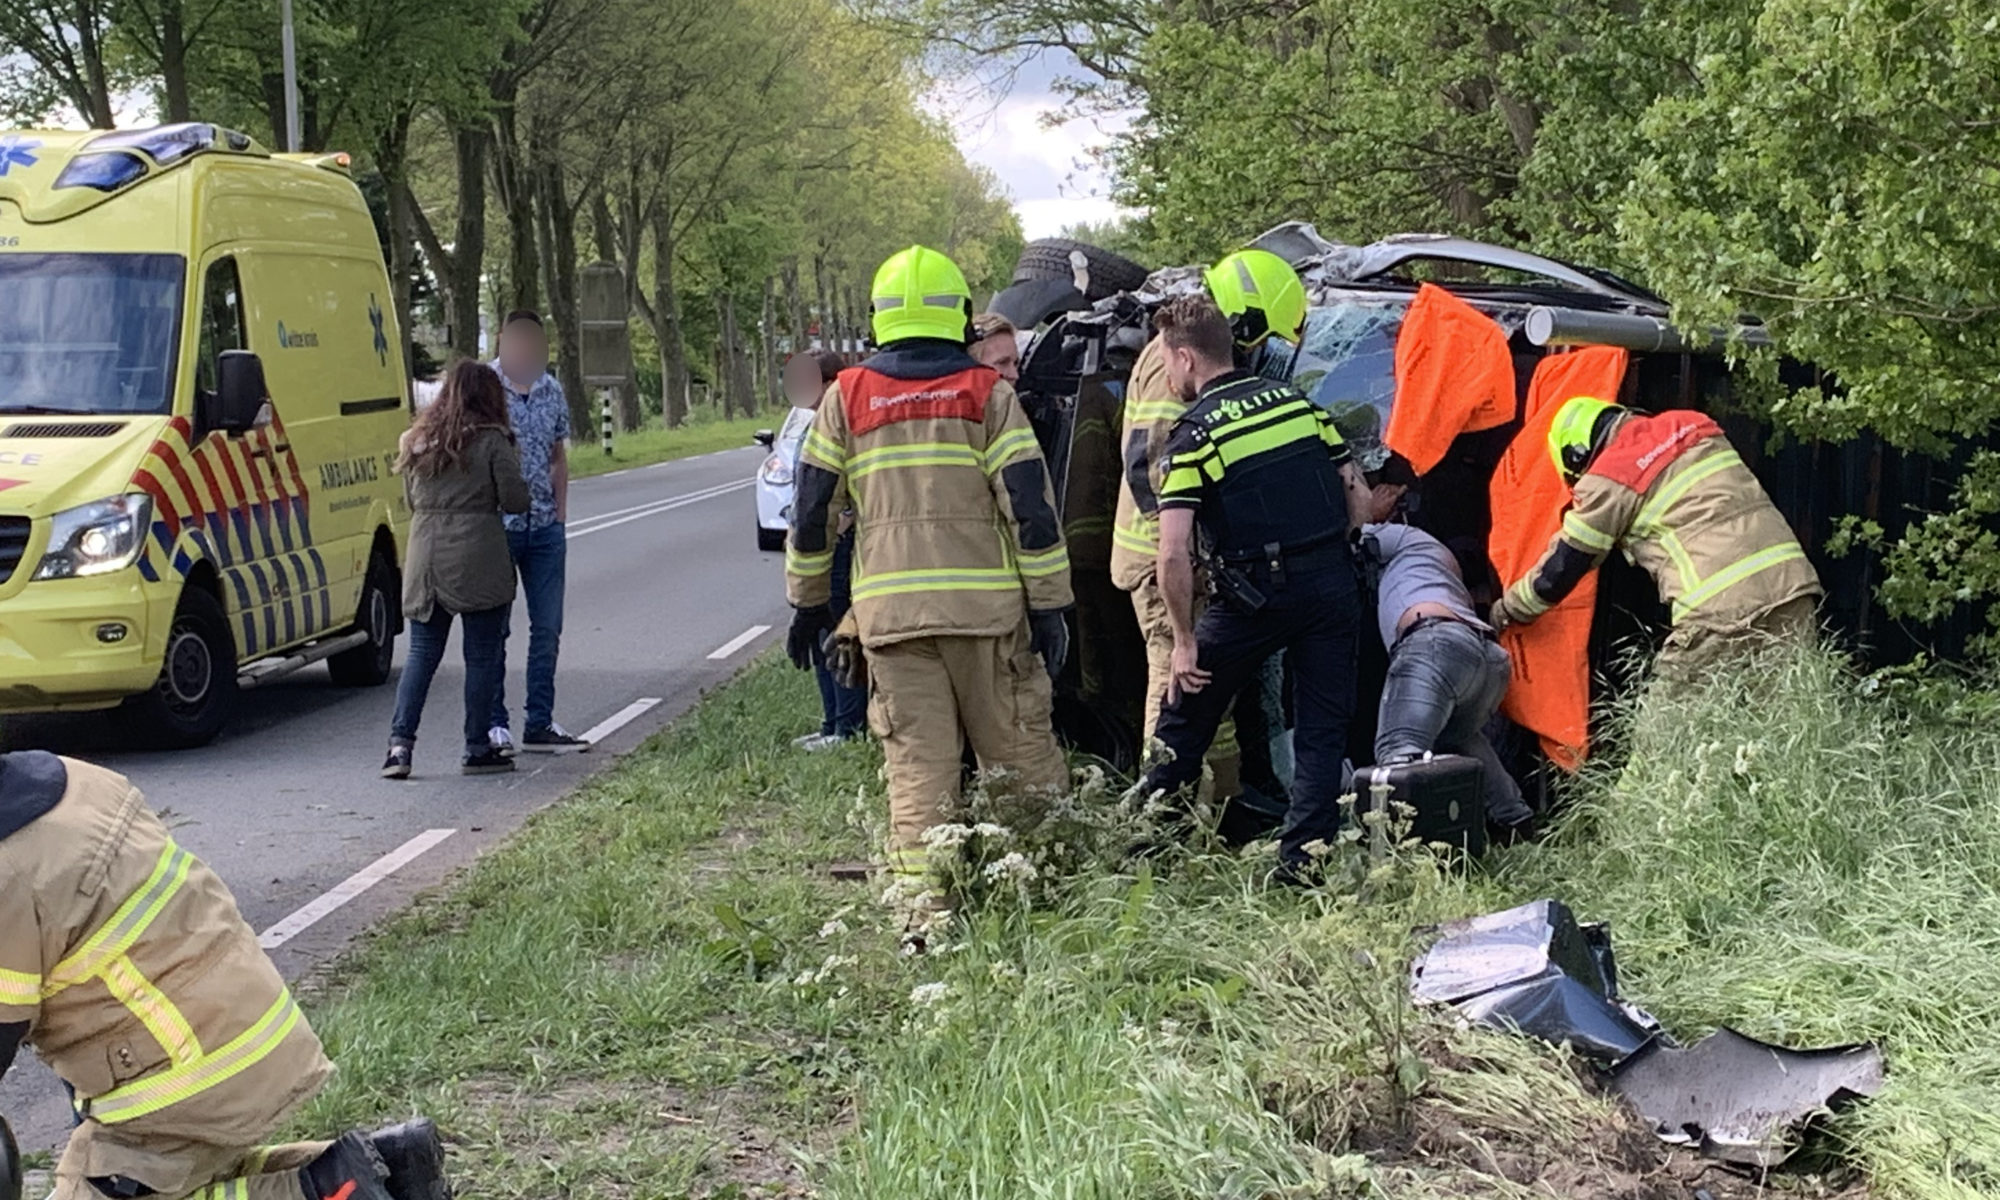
(197, 688)
(367, 665)
(1110, 273)
(770, 539)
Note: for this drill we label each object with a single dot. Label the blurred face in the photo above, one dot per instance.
(1001, 353)
(802, 382)
(524, 352)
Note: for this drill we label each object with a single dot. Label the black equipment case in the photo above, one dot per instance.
(1448, 792)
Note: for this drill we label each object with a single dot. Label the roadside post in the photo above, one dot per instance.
(605, 420)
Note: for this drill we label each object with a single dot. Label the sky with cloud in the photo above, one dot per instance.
(1012, 124)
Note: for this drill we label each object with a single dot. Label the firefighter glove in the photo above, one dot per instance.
(845, 661)
(809, 625)
(1048, 636)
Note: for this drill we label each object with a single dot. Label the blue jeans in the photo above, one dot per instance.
(843, 710)
(542, 557)
(485, 671)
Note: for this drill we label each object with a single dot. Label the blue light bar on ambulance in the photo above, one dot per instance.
(107, 172)
(167, 144)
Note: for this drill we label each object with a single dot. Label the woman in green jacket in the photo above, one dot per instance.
(460, 472)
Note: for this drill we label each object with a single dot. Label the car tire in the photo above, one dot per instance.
(1110, 274)
(367, 665)
(196, 692)
(770, 539)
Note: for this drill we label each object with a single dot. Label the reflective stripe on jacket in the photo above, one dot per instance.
(954, 512)
(143, 988)
(1150, 412)
(1674, 495)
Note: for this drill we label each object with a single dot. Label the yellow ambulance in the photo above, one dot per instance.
(201, 388)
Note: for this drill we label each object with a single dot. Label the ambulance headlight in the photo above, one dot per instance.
(95, 538)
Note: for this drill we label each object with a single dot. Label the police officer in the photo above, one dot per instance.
(961, 579)
(1674, 494)
(1266, 476)
(1261, 296)
(125, 964)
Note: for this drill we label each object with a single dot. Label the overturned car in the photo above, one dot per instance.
(1361, 303)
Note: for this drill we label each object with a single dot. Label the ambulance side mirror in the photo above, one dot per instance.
(764, 438)
(240, 393)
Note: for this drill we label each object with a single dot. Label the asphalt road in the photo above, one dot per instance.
(664, 575)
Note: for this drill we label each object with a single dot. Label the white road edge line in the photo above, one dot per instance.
(355, 884)
(738, 642)
(619, 720)
(600, 524)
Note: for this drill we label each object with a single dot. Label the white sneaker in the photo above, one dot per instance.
(823, 741)
(501, 740)
(807, 742)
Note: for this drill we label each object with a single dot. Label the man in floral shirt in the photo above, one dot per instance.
(541, 549)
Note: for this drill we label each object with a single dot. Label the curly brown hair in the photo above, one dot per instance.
(472, 399)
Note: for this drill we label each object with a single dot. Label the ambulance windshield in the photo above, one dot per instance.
(89, 333)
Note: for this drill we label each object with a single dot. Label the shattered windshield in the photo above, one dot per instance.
(1347, 365)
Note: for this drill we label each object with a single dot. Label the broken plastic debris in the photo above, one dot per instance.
(1535, 970)
(1741, 1100)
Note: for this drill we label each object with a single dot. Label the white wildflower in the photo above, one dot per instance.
(925, 995)
(1169, 1027)
(949, 836)
(1317, 848)
(1014, 865)
(988, 829)
(833, 929)
(1003, 972)
(1131, 1032)
(1746, 757)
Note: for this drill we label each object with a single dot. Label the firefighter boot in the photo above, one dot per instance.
(415, 1159)
(349, 1170)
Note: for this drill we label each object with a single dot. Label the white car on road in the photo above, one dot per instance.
(775, 477)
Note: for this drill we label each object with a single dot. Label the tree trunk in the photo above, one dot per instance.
(514, 183)
(603, 227)
(173, 63)
(825, 307)
(667, 323)
(90, 39)
(392, 159)
(767, 348)
(468, 251)
(795, 309)
(559, 266)
(735, 392)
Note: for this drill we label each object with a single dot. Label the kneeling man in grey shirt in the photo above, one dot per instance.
(1447, 672)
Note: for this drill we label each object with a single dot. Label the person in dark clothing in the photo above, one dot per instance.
(1264, 474)
(843, 710)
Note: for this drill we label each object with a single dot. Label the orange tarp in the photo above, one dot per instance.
(1550, 695)
(1453, 375)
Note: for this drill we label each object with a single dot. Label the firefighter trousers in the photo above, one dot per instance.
(1696, 647)
(930, 696)
(1224, 757)
(178, 1169)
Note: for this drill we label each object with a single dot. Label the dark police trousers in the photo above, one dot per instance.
(1312, 615)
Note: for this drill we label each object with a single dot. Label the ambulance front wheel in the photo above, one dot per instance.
(197, 688)
(368, 664)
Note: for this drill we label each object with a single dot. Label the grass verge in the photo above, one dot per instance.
(658, 990)
(703, 433)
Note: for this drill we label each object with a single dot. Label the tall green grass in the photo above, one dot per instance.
(1794, 852)
(660, 978)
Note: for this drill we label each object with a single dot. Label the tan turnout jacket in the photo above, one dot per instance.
(1150, 412)
(956, 532)
(1673, 494)
(141, 985)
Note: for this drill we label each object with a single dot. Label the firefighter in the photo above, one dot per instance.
(1673, 494)
(961, 580)
(1265, 474)
(125, 964)
(1262, 297)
